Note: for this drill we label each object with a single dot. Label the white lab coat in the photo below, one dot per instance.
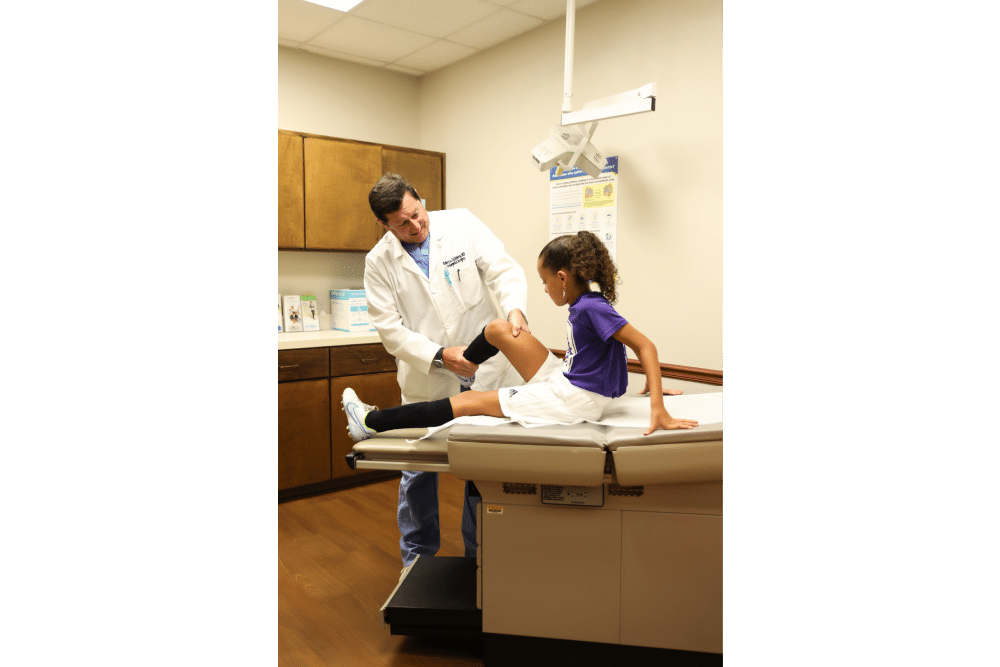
(415, 315)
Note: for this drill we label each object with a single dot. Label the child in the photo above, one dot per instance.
(576, 389)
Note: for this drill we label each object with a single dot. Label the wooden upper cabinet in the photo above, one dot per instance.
(424, 171)
(323, 186)
(338, 177)
(291, 199)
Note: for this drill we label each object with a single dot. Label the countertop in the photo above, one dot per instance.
(295, 340)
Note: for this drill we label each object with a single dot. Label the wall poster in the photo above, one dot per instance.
(577, 202)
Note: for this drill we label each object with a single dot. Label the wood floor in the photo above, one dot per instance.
(338, 561)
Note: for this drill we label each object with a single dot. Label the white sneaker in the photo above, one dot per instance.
(356, 411)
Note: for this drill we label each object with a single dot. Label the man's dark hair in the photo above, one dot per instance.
(387, 196)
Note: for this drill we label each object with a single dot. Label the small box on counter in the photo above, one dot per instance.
(281, 316)
(310, 313)
(350, 310)
(293, 312)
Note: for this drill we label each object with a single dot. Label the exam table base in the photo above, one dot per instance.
(529, 651)
(437, 598)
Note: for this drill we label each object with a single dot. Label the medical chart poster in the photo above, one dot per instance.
(577, 202)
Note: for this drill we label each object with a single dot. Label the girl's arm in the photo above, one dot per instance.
(659, 418)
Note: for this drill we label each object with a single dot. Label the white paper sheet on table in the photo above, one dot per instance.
(634, 410)
(630, 411)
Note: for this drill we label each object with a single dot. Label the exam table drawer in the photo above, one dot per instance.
(533, 464)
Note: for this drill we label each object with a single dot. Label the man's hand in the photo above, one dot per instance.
(519, 321)
(455, 362)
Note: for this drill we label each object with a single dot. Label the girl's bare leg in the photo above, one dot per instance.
(525, 353)
(472, 403)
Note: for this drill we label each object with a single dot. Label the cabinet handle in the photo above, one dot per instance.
(369, 361)
(287, 368)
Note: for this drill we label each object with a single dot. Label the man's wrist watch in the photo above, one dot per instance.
(439, 359)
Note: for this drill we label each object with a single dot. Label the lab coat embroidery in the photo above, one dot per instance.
(457, 259)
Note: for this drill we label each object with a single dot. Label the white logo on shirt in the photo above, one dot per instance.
(570, 348)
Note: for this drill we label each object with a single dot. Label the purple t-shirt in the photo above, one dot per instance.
(594, 360)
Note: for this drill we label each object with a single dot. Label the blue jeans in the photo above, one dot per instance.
(419, 524)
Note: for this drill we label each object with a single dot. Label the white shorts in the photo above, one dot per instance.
(549, 398)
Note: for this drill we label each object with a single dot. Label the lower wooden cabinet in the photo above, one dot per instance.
(312, 429)
(303, 433)
(381, 390)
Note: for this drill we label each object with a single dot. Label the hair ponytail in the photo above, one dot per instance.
(586, 258)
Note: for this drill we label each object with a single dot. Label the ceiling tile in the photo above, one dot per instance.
(367, 39)
(494, 29)
(429, 17)
(397, 29)
(436, 55)
(299, 20)
(406, 70)
(342, 56)
(546, 9)
(543, 9)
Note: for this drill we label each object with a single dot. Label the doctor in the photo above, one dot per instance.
(427, 283)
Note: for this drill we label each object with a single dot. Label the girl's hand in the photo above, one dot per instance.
(661, 420)
(666, 392)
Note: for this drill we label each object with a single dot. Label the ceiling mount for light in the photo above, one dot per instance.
(564, 148)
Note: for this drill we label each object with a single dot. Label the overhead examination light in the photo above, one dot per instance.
(342, 5)
(568, 148)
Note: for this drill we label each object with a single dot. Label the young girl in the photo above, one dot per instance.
(576, 389)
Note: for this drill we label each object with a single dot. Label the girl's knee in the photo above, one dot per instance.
(497, 329)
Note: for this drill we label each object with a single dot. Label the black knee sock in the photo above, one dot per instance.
(411, 415)
(480, 349)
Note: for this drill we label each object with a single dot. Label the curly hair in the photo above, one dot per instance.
(583, 256)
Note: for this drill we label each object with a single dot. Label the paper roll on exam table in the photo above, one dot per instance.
(587, 533)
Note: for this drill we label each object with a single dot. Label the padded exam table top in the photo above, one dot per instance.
(486, 448)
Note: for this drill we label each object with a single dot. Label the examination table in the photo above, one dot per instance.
(591, 536)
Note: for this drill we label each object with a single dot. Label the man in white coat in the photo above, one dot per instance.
(427, 282)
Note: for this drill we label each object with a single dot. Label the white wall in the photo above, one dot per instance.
(670, 184)
(339, 99)
(505, 99)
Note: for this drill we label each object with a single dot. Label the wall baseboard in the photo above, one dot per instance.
(703, 375)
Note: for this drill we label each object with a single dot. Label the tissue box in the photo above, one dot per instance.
(293, 312)
(310, 313)
(281, 316)
(350, 310)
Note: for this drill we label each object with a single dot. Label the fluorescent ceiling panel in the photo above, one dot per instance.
(341, 5)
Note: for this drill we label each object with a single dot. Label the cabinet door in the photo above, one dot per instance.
(424, 172)
(291, 197)
(379, 389)
(671, 581)
(303, 433)
(338, 178)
